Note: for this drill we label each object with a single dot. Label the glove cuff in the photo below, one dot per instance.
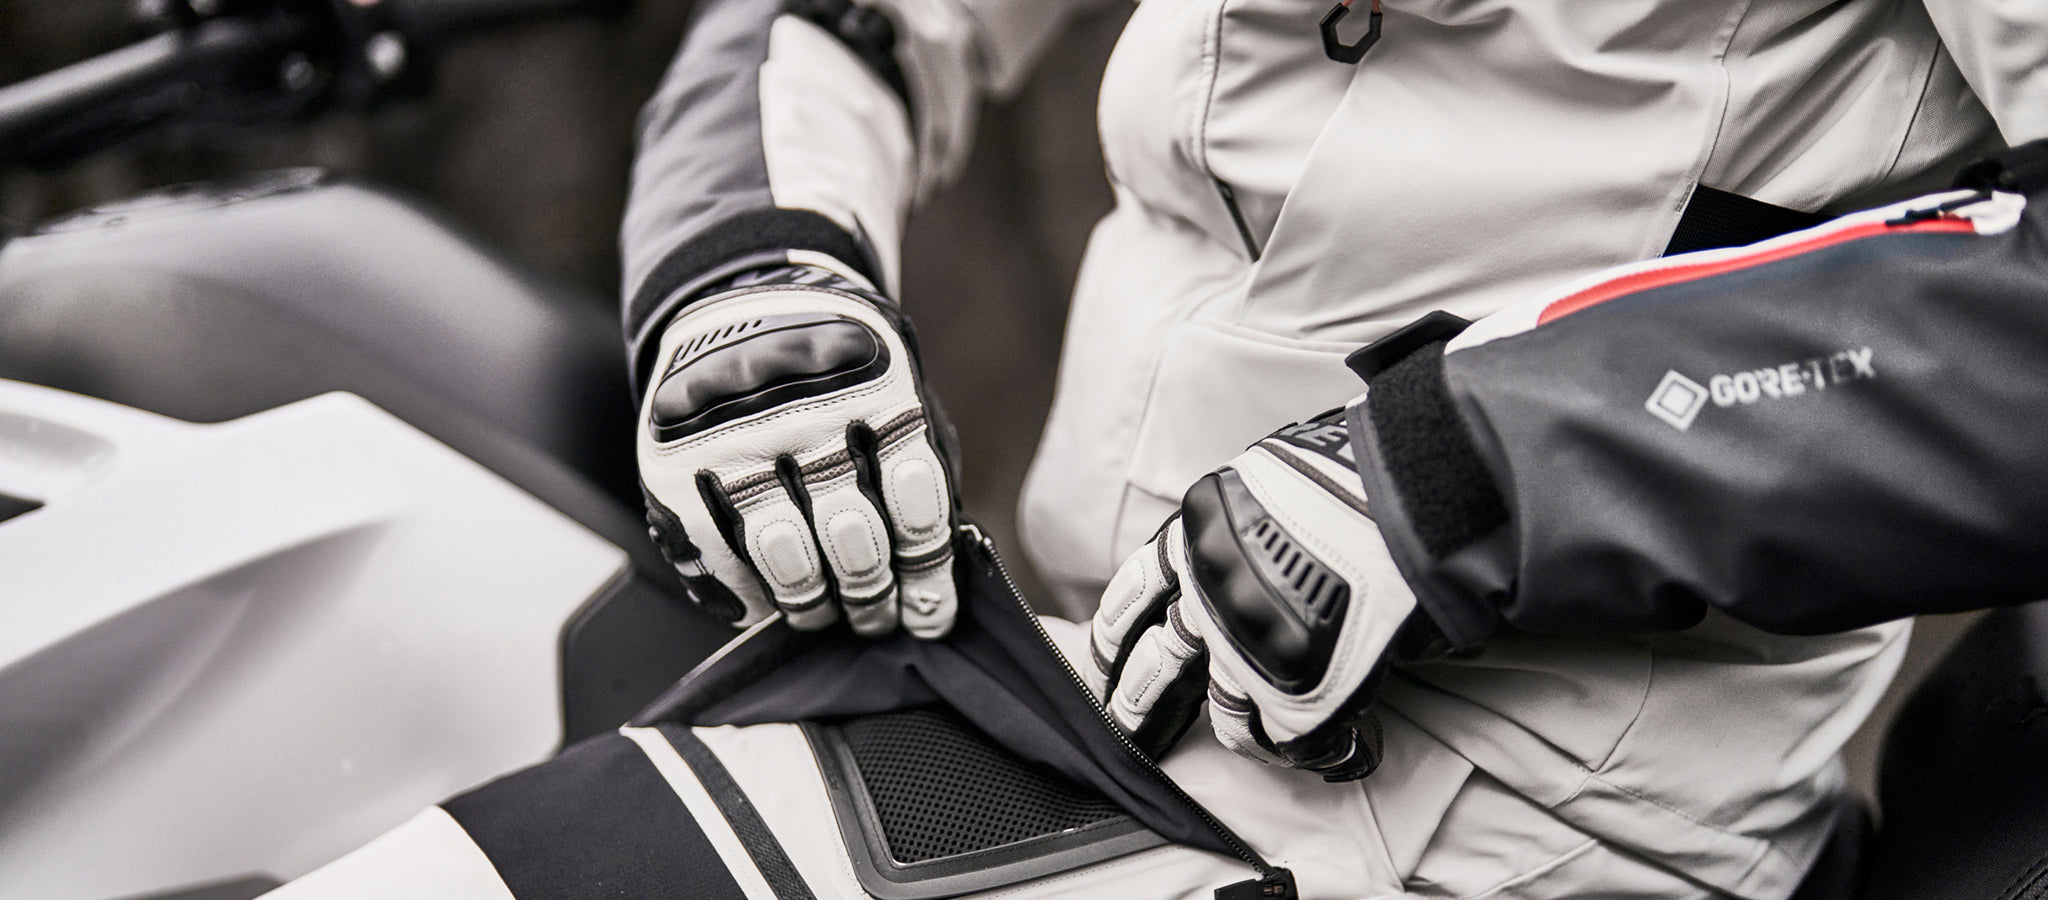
(707, 264)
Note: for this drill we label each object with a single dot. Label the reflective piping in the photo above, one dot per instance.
(1993, 215)
(1652, 279)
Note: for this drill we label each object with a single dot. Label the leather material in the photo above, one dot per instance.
(761, 365)
(1279, 606)
(1282, 608)
(790, 442)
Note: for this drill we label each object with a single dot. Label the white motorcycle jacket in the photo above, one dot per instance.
(1277, 209)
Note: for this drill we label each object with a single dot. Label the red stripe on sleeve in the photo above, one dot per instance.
(1656, 278)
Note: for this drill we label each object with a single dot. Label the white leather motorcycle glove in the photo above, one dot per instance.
(790, 460)
(1272, 595)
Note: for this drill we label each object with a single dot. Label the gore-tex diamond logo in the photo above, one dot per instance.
(1677, 400)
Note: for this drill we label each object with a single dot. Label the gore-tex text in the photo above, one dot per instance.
(1792, 378)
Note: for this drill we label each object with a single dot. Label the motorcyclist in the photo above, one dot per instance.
(1277, 207)
(1620, 718)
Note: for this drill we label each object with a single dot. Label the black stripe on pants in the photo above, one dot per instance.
(596, 821)
(740, 813)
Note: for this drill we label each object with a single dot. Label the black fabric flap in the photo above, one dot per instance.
(996, 668)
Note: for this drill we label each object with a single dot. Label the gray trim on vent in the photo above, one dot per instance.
(981, 870)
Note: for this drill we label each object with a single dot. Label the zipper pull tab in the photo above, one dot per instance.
(1334, 46)
(1944, 210)
(1277, 884)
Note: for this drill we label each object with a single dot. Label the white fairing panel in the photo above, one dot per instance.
(241, 650)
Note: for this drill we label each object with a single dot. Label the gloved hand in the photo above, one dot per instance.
(1272, 595)
(791, 462)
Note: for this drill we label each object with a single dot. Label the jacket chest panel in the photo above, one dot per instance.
(1201, 91)
(1203, 96)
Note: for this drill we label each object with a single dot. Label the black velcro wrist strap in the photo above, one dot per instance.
(1429, 455)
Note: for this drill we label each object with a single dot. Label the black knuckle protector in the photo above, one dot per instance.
(760, 364)
(1278, 605)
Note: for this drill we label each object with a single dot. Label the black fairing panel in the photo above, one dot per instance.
(211, 302)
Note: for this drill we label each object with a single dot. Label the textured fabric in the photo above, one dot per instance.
(598, 818)
(1444, 485)
(1429, 824)
(993, 668)
(1817, 433)
(1481, 153)
(1782, 432)
(983, 798)
(764, 111)
(754, 835)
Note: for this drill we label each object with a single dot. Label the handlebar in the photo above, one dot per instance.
(264, 59)
(109, 97)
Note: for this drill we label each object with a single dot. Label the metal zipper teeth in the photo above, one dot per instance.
(1151, 768)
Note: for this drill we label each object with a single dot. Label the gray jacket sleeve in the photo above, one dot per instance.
(1833, 428)
(802, 131)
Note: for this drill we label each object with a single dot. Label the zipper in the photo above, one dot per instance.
(1274, 882)
(1244, 229)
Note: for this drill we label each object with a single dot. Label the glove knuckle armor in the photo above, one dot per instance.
(1278, 605)
(759, 364)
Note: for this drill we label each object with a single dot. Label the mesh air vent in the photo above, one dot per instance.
(942, 789)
